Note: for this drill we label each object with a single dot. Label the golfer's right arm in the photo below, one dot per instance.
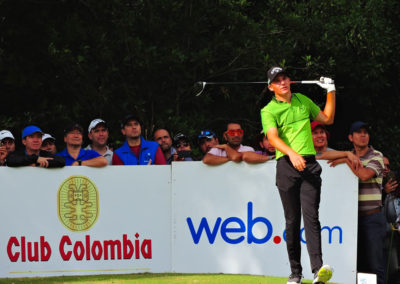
(297, 160)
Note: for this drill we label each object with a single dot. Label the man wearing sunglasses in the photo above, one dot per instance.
(286, 121)
(232, 150)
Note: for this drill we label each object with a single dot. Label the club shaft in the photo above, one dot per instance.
(305, 82)
(233, 83)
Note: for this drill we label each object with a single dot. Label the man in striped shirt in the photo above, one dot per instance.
(371, 220)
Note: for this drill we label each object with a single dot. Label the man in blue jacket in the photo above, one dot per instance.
(136, 150)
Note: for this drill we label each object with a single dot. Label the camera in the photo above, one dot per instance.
(184, 154)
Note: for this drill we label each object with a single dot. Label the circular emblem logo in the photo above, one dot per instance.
(78, 203)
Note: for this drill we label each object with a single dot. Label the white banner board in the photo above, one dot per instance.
(229, 219)
(131, 233)
(188, 218)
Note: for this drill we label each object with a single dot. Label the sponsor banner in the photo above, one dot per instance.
(229, 219)
(81, 220)
(188, 218)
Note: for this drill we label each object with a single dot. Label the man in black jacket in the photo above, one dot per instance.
(32, 155)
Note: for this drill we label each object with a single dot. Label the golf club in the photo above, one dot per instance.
(203, 84)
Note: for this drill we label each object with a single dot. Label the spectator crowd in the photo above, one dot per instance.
(378, 185)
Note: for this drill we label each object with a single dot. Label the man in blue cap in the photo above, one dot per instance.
(207, 140)
(32, 155)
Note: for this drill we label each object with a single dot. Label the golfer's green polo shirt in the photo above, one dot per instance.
(292, 121)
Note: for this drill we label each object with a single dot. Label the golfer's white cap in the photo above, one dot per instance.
(6, 134)
(94, 123)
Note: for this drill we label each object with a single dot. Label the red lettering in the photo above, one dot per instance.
(45, 250)
(145, 249)
(137, 251)
(87, 238)
(96, 249)
(13, 241)
(33, 256)
(79, 246)
(23, 254)
(65, 240)
(97, 255)
(111, 244)
(127, 247)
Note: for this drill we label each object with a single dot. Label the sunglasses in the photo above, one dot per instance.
(183, 144)
(237, 132)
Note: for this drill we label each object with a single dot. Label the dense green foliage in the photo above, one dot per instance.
(76, 60)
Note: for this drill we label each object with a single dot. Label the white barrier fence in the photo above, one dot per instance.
(188, 218)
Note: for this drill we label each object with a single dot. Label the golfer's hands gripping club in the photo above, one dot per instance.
(297, 161)
(327, 84)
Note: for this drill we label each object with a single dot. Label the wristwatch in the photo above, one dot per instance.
(79, 162)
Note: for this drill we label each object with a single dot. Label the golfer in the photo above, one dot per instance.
(286, 121)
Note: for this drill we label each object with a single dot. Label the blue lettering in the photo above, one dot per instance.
(250, 223)
(329, 229)
(225, 230)
(330, 233)
(301, 236)
(233, 229)
(203, 226)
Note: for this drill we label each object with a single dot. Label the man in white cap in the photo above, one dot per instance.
(49, 143)
(98, 134)
(7, 145)
(32, 155)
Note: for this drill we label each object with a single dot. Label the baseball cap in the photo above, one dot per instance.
(316, 124)
(130, 117)
(206, 134)
(30, 130)
(96, 122)
(73, 126)
(273, 72)
(48, 136)
(180, 136)
(357, 126)
(6, 134)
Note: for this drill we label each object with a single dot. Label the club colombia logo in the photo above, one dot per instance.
(78, 203)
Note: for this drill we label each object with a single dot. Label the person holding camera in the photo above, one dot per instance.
(7, 145)
(183, 149)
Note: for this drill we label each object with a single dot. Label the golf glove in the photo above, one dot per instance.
(327, 83)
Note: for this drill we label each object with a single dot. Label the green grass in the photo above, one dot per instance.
(149, 278)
